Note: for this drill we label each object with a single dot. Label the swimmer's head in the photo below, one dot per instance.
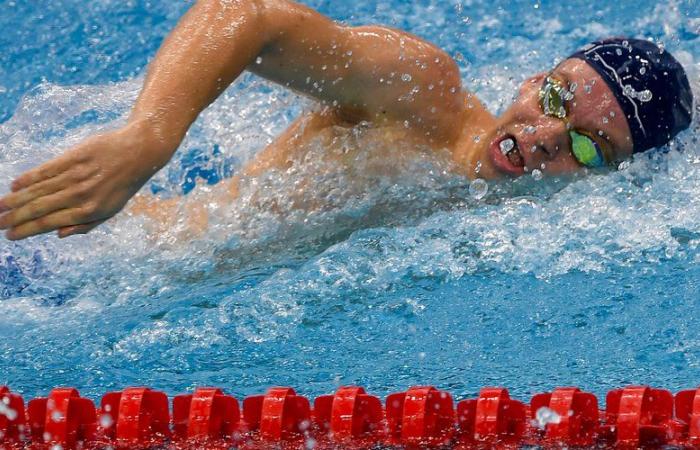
(611, 99)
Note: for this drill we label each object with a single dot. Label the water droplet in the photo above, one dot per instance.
(536, 174)
(530, 129)
(645, 95)
(624, 165)
(406, 77)
(642, 70)
(546, 416)
(106, 421)
(478, 189)
(477, 138)
(506, 145)
(258, 60)
(605, 120)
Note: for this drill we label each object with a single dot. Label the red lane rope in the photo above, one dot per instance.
(422, 417)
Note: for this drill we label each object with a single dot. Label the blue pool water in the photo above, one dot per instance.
(592, 281)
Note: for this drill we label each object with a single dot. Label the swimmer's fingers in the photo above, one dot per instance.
(50, 222)
(47, 170)
(40, 189)
(45, 205)
(79, 229)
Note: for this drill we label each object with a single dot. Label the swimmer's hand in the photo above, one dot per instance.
(84, 187)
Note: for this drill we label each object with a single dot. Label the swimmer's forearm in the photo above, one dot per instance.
(370, 73)
(209, 48)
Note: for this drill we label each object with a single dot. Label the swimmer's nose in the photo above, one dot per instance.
(545, 140)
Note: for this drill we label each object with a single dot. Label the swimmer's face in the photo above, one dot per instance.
(543, 141)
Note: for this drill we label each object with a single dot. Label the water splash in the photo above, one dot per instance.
(386, 250)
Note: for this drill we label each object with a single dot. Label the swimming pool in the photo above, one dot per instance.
(592, 281)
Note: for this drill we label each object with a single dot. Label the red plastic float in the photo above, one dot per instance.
(493, 417)
(349, 414)
(640, 416)
(688, 412)
(207, 414)
(425, 417)
(577, 416)
(12, 416)
(63, 419)
(420, 416)
(278, 415)
(135, 415)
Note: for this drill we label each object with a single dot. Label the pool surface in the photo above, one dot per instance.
(592, 281)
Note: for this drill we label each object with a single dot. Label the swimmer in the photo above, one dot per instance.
(613, 98)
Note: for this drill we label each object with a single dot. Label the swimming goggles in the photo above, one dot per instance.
(553, 100)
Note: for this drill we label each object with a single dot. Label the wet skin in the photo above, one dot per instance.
(543, 140)
(371, 73)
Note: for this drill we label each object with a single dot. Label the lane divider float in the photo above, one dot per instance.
(421, 417)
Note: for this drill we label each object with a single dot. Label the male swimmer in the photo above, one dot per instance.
(612, 99)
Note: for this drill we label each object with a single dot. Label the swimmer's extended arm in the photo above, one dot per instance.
(371, 73)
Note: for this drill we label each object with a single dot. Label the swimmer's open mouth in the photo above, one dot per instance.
(506, 155)
(509, 148)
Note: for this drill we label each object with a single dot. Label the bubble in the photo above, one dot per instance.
(258, 60)
(530, 129)
(477, 138)
(406, 77)
(10, 413)
(645, 95)
(106, 421)
(506, 145)
(545, 416)
(478, 188)
(536, 174)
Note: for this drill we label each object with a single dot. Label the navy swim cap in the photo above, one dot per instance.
(650, 85)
